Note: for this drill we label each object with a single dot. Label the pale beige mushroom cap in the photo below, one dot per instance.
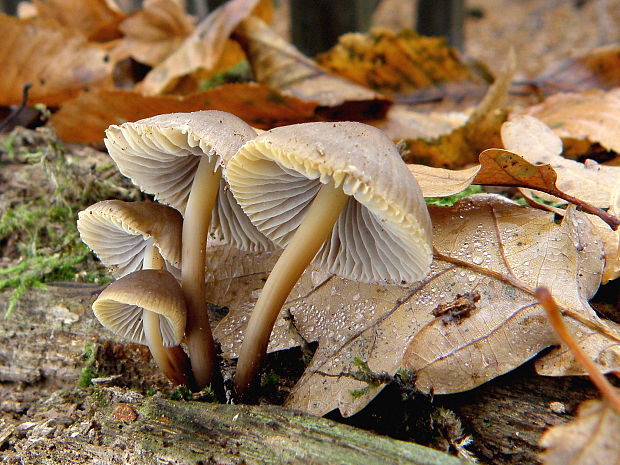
(119, 232)
(119, 307)
(384, 231)
(160, 155)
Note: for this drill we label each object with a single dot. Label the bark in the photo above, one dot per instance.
(44, 418)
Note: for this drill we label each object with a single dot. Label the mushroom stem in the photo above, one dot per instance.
(198, 212)
(315, 228)
(172, 361)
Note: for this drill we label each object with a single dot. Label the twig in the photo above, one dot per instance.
(555, 317)
(607, 217)
(16, 111)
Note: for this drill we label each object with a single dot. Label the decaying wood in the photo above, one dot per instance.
(134, 430)
(44, 418)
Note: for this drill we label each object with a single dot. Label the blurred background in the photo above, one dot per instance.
(542, 32)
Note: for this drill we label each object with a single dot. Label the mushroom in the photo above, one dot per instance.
(130, 236)
(336, 194)
(121, 234)
(147, 307)
(179, 158)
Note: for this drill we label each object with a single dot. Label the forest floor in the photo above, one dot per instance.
(51, 341)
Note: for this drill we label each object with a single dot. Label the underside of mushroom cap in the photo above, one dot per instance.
(119, 307)
(161, 154)
(119, 233)
(384, 231)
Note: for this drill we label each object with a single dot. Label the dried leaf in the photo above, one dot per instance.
(57, 62)
(152, 34)
(462, 145)
(486, 245)
(403, 123)
(592, 116)
(439, 182)
(611, 247)
(98, 20)
(497, 168)
(590, 439)
(534, 141)
(594, 183)
(206, 51)
(391, 62)
(85, 118)
(278, 64)
(597, 69)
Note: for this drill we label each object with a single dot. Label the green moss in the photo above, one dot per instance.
(100, 397)
(452, 199)
(88, 371)
(38, 225)
(48, 245)
(181, 393)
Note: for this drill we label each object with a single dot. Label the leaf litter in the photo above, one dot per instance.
(475, 316)
(485, 245)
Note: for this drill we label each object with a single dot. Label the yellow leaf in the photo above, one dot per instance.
(391, 62)
(592, 116)
(278, 64)
(485, 245)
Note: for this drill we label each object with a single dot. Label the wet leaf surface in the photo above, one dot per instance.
(484, 245)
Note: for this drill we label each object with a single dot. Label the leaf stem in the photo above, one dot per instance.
(555, 317)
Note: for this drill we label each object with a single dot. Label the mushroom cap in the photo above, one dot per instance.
(161, 154)
(384, 232)
(119, 232)
(119, 307)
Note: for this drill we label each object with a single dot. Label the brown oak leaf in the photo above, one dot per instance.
(485, 245)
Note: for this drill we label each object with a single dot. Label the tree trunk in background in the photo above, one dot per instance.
(317, 24)
(442, 18)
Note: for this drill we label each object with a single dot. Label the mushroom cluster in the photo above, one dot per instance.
(336, 195)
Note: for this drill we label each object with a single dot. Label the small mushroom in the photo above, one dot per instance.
(121, 233)
(336, 194)
(128, 237)
(179, 158)
(147, 307)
